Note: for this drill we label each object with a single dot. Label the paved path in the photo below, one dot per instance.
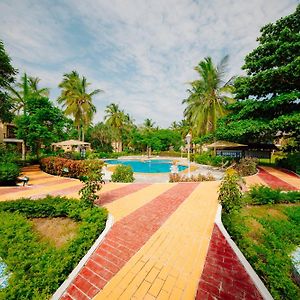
(162, 242)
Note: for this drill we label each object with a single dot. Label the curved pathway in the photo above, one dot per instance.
(163, 242)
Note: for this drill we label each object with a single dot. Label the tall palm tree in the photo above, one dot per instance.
(27, 87)
(119, 120)
(77, 102)
(208, 97)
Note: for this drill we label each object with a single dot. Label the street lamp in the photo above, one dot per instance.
(188, 139)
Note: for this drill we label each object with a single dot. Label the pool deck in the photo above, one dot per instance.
(164, 243)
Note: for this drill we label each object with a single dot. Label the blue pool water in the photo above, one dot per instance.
(3, 275)
(147, 166)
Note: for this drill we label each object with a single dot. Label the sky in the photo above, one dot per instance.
(140, 52)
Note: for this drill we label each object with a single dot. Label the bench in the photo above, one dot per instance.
(24, 179)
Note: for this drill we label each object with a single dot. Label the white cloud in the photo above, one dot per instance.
(141, 53)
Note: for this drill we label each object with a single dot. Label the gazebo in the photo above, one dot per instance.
(71, 145)
(224, 148)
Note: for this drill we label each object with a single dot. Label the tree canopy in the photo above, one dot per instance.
(268, 96)
(7, 77)
(42, 123)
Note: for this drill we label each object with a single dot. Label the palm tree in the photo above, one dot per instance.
(119, 121)
(77, 102)
(27, 87)
(148, 124)
(208, 97)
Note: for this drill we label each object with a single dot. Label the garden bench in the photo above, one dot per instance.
(24, 179)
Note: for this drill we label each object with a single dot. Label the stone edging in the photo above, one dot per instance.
(254, 277)
(59, 292)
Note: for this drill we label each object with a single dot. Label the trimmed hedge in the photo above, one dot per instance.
(260, 195)
(69, 168)
(38, 268)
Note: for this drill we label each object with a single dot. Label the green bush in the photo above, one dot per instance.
(38, 268)
(260, 194)
(291, 162)
(207, 158)
(9, 153)
(230, 194)
(9, 173)
(246, 166)
(267, 241)
(122, 174)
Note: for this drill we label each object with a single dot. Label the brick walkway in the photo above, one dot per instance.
(158, 245)
(224, 277)
(124, 239)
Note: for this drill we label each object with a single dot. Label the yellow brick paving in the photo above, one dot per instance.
(170, 264)
(127, 204)
(283, 176)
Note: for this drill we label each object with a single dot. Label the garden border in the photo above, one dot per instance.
(254, 277)
(59, 292)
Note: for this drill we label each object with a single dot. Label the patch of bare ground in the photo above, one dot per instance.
(56, 231)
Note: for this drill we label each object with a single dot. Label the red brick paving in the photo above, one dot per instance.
(275, 182)
(289, 172)
(110, 196)
(125, 238)
(223, 276)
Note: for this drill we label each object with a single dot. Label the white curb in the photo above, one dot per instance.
(59, 292)
(256, 280)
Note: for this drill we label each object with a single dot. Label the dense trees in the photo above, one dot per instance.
(41, 124)
(207, 97)
(77, 101)
(7, 77)
(268, 97)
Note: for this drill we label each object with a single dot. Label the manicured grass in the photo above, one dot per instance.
(267, 234)
(38, 265)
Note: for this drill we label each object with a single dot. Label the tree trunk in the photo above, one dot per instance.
(79, 135)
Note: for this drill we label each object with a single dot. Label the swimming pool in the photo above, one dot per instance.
(147, 166)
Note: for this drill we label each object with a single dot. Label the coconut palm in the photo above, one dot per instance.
(27, 87)
(77, 102)
(208, 97)
(148, 124)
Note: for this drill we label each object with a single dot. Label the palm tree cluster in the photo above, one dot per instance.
(208, 97)
(23, 90)
(77, 101)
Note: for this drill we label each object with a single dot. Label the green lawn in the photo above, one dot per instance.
(267, 234)
(37, 262)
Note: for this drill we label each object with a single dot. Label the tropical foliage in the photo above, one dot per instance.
(207, 97)
(268, 97)
(7, 77)
(25, 89)
(77, 101)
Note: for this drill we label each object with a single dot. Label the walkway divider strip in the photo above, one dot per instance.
(255, 278)
(59, 292)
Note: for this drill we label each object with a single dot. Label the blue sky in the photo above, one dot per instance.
(140, 52)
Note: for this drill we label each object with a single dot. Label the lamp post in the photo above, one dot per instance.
(188, 139)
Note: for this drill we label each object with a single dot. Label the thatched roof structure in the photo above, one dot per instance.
(71, 143)
(224, 145)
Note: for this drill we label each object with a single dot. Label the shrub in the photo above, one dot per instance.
(9, 153)
(9, 173)
(291, 162)
(74, 155)
(260, 195)
(122, 174)
(206, 158)
(246, 166)
(92, 184)
(70, 168)
(37, 267)
(193, 178)
(230, 193)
